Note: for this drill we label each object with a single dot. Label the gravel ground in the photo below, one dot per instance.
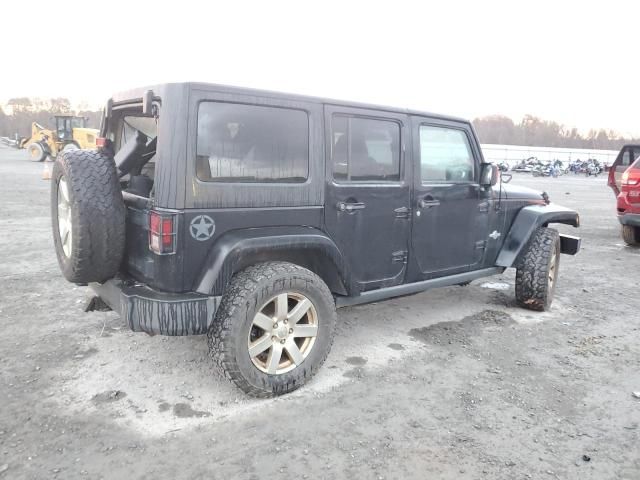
(456, 383)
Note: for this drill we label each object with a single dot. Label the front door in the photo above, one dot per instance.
(451, 210)
(367, 202)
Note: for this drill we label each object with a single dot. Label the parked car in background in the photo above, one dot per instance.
(628, 155)
(629, 204)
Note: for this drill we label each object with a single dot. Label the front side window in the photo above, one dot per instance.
(445, 155)
(251, 143)
(365, 149)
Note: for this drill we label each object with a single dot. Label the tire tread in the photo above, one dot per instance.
(99, 215)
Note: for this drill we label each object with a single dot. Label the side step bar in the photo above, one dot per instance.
(408, 289)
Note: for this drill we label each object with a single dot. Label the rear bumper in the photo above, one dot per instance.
(632, 219)
(158, 313)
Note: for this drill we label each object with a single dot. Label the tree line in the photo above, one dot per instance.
(25, 111)
(535, 132)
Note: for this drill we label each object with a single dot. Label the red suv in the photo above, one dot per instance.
(624, 179)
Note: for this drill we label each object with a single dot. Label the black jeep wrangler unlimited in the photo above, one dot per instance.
(250, 216)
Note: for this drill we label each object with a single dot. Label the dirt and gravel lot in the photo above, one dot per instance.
(456, 383)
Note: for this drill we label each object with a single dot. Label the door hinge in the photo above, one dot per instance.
(399, 256)
(481, 245)
(402, 212)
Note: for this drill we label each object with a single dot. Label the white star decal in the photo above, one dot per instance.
(202, 227)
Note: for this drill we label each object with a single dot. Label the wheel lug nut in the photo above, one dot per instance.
(286, 321)
(281, 341)
(291, 330)
(275, 325)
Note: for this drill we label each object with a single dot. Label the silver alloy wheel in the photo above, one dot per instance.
(64, 217)
(552, 269)
(283, 333)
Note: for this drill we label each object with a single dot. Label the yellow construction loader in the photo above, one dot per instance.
(70, 134)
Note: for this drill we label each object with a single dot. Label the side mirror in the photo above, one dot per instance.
(489, 175)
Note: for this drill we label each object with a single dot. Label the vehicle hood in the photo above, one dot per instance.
(516, 192)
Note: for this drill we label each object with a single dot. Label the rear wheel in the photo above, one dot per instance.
(537, 270)
(37, 152)
(274, 328)
(631, 235)
(70, 146)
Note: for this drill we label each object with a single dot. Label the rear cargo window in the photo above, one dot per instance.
(251, 143)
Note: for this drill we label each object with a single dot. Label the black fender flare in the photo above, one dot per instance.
(526, 222)
(305, 246)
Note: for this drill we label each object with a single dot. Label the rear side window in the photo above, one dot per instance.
(365, 149)
(626, 158)
(445, 155)
(251, 143)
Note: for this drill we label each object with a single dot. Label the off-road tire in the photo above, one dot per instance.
(533, 289)
(97, 216)
(248, 291)
(37, 152)
(631, 235)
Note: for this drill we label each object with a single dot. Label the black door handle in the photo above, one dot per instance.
(349, 206)
(428, 202)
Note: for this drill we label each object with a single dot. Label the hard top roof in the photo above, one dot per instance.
(161, 89)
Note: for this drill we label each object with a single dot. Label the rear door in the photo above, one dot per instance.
(451, 210)
(367, 200)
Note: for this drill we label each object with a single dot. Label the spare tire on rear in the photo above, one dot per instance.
(88, 216)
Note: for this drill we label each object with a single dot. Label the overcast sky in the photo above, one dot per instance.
(574, 62)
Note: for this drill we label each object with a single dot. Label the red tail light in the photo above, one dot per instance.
(101, 142)
(162, 232)
(631, 176)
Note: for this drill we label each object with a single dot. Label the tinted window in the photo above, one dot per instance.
(445, 155)
(365, 149)
(626, 158)
(250, 143)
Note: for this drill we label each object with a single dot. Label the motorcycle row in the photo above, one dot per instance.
(554, 168)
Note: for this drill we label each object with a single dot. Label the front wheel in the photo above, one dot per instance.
(37, 152)
(273, 329)
(537, 270)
